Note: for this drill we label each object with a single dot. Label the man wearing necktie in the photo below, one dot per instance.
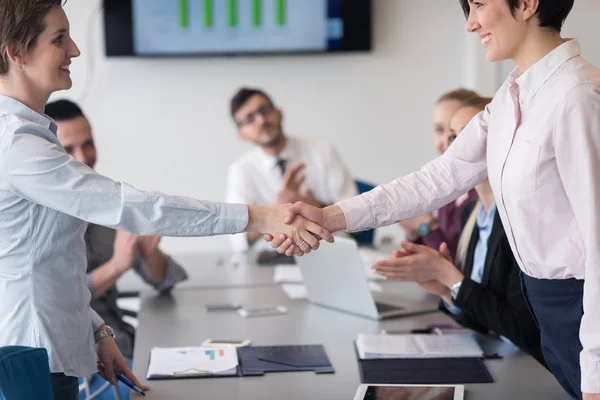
(280, 169)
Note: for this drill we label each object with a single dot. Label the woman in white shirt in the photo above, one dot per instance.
(537, 142)
(45, 197)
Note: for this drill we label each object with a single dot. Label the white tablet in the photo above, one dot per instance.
(412, 392)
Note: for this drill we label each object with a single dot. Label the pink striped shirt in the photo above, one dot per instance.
(539, 144)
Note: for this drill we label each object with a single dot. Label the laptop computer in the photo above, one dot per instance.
(335, 278)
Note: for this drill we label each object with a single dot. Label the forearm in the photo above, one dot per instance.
(438, 183)
(253, 237)
(104, 278)
(508, 316)
(335, 219)
(155, 266)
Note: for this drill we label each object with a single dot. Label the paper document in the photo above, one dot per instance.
(287, 273)
(369, 257)
(181, 362)
(375, 287)
(417, 346)
(295, 291)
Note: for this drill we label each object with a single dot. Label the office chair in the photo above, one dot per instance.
(24, 373)
(365, 237)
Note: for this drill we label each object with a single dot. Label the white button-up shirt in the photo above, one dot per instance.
(255, 178)
(539, 143)
(45, 197)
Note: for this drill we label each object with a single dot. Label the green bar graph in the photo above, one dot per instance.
(280, 12)
(183, 14)
(208, 13)
(233, 14)
(256, 12)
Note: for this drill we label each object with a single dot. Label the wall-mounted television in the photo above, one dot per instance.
(230, 27)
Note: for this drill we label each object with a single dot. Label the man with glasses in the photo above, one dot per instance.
(281, 169)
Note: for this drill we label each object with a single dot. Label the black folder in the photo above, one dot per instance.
(259, 360)
(273, 258)
(424, 371)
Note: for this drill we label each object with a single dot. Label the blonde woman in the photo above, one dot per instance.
(442, 226)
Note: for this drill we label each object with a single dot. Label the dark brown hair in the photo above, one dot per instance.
(22, 23)
(551, 13)
(243, 95)
(459, 95)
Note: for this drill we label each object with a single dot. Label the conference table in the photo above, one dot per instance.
(181, 319)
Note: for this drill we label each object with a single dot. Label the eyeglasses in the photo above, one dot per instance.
(451, 138)
(251, 118)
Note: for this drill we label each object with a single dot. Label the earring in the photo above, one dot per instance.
(21, 68)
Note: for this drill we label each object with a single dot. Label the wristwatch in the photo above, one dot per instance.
(104, 332)
(454, 290)
(425, 229)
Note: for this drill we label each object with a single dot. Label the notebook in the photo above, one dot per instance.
(187, 362)
(374, 346)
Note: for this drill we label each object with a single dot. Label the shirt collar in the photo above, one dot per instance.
(534, 78)
(288, 153)
(486, 219)
(10, 106)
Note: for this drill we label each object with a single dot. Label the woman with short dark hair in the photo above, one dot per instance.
(537, 142)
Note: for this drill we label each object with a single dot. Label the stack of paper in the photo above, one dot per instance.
(287, 273)
(371, 346)
(369, 257)
(182, 362)
(295, 291)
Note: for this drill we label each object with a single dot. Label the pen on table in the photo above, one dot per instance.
(130, 385)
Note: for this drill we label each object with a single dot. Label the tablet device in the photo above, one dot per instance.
(224, 343)
(412, 392)
(261, 312)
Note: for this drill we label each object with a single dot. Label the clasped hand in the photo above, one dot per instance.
(329, 219)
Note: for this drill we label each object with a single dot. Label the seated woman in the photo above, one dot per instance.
(443, 226)
(488, 296)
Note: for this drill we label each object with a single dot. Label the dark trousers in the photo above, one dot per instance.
(557, 306)
(64, 387)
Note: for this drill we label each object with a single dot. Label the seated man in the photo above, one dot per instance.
(281, 169)
(111, 253)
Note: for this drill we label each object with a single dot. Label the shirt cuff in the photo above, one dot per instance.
(89, 282)
(590, 371)
(453, 309)
(174, 274)
(97, 320)
(233, 218)
(359, 214)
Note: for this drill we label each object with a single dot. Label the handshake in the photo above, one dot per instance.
(296, 229)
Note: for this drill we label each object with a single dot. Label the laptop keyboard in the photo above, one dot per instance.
(382, 307)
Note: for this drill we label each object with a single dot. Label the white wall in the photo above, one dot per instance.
(163, 124)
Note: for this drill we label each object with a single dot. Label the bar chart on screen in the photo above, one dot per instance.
(229, 25)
